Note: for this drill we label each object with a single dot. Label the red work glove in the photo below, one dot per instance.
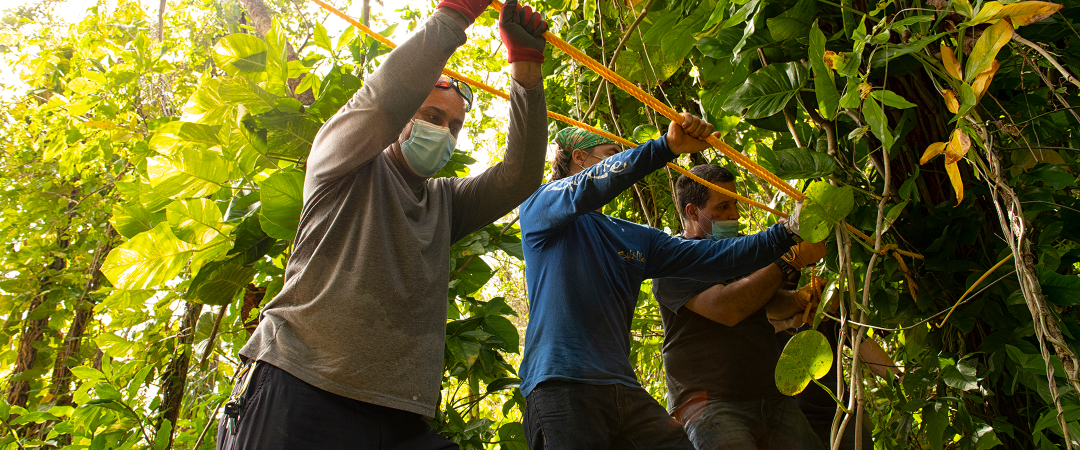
(469, 8)
(522, 30)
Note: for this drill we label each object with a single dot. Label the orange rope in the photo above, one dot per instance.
(551, 114)
(638, 93)
(670, 113)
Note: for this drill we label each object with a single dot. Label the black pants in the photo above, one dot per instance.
(283, 412)
(568, 415)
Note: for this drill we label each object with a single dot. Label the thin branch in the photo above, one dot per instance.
(615, 53)
(1065, 73)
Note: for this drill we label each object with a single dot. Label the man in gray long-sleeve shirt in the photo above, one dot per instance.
(350, 353)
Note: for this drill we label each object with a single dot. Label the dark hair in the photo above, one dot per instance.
(689, 191)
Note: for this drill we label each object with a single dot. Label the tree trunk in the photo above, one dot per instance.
(263, 21)
(34, 329)
(83, 314)
(175, 376)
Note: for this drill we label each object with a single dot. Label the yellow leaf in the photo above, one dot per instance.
(1021, 13)
(105, 124)
(955, 180)
(986, 48)
(865, 89)
(951, 101)
(979, 86)
(950, 61)
(958, 147)
(989, 12)
(932, 151)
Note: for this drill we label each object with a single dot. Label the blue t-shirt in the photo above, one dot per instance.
(584, 269)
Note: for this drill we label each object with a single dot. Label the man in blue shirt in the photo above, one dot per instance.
(584, 271)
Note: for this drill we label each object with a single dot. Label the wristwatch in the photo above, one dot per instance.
(786, 269)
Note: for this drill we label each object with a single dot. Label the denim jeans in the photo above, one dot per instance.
(762, 424)
(569, 415)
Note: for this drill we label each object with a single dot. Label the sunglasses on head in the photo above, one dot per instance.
(461, 88)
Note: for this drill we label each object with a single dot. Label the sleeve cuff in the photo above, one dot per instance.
(449, 22)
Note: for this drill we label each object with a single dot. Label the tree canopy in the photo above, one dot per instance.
(152, 167)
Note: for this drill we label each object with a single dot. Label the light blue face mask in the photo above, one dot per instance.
(428, 148)
(724, 229)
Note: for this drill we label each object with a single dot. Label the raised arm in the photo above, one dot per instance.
(484, 198)
(559, 203)
(374, 117)
(716, 261)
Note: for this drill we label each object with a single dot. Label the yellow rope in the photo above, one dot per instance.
(670, 113)
(638, 93)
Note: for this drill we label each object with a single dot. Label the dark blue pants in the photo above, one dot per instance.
(283, 412)
(568, 415)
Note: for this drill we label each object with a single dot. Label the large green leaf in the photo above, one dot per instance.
(196, 221)
(251, 242)
(277, 63)
(240, 53)
(290, 135)
(807, 356)
(174, 135)
(877, 121)
(825, 88)
(768, 90)
(147, 260)
(793, 23)
(192, 173)
(503, 328)
(282, 197)
(218, 283)
(800, 163)
(206, 104)
(241, 91)
(824, 206)
(132, 219)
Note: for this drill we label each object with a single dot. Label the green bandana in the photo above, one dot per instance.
(573, 138)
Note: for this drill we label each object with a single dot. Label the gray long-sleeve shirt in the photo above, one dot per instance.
(363, 310)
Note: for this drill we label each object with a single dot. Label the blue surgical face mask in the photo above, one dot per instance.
(724, 229)
(428, 148)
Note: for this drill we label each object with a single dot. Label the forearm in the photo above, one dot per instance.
(526, 73)
(718, 261)
(729, 304)
(484, 198)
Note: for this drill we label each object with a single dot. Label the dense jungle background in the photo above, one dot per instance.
(153, 156)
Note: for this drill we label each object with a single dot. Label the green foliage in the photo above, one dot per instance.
(806, 357)
(143, 179)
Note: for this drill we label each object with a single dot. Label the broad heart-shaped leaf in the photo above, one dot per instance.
(986, 48)
(824, 206)
(768, 90)
(218, 283)
(241, 91)
(192, 173)
(645, 132)
(793, 23)
(961, 376)
(196, 221)
(169, 137)
(240, 53)
(290, 135)
(147, 260)
(801, 163)
(807, 356)
(132, 219)
(282, 197)
(825, 88)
